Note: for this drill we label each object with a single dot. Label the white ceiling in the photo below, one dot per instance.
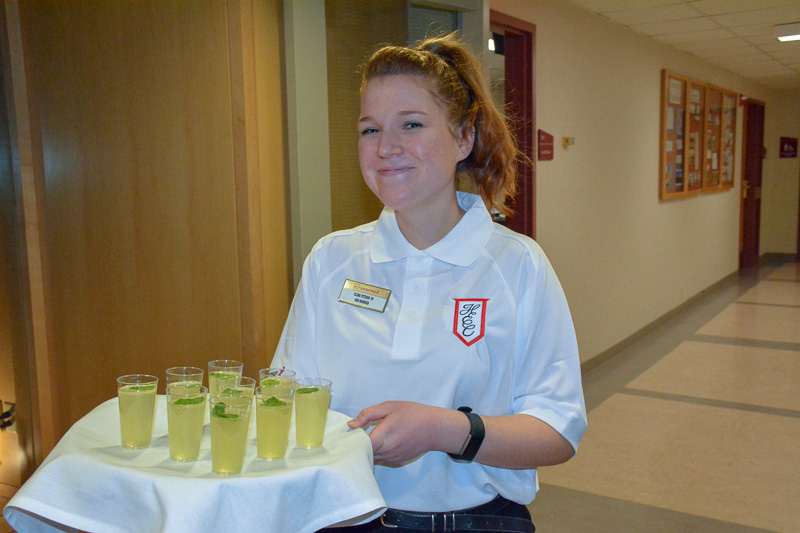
(734, 34)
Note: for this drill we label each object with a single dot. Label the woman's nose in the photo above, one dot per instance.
(388, 144)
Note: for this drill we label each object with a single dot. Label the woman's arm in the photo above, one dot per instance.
(406, 430)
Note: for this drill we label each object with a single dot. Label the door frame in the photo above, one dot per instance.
(520, 97)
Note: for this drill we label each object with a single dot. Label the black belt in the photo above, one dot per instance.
(481, 518)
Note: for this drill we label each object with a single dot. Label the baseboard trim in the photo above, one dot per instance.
(604, 356)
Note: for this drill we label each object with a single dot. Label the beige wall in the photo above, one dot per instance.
(624, 258)
(163, 187)
(779, 205)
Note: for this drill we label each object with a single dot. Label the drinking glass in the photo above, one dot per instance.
(230, 421)
(186, 412)
(137, 409)
(273, 419)
(312, 397)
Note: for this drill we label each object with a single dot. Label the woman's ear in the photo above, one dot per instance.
(466, 140)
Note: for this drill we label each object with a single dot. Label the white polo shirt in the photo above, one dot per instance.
(478, 319)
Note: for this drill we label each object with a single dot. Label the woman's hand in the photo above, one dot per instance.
(407, 430)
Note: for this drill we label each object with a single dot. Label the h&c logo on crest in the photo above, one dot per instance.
(469, 321)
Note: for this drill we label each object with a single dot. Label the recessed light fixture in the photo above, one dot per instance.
(787, 32)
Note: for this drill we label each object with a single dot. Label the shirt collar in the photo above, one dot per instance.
(460, 247)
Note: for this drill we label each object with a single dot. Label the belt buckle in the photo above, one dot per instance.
(384, 524)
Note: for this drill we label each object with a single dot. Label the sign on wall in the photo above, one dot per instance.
(788, 147)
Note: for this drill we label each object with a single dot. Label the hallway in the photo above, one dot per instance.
(694, 425)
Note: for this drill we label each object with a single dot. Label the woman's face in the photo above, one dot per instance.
(407, 149)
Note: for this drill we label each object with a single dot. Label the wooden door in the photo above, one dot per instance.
(12, 340)
(750, 210)
(149, 148)
(520, 38)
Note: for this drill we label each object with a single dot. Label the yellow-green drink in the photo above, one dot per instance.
(312, 397)
(224, 378)
(185, 387)
(236, 385)
(221, 368)
(137, 409)
(230, 420)
(186, 409)
(280, 381)
(273, 419)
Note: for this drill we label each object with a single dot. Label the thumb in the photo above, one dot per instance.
(367, 415)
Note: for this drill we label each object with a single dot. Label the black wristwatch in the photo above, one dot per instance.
(474, 440)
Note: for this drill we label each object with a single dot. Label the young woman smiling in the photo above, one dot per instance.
(468, 375)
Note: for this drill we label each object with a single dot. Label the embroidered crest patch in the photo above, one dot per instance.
(469, 320)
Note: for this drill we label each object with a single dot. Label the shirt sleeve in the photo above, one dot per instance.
(297, 347)
(548, 376)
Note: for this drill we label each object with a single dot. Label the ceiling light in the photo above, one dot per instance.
(787, 32)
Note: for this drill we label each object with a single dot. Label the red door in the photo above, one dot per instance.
(519, 42)
(753, 128)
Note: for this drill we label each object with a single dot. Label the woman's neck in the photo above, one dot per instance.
(426, 229)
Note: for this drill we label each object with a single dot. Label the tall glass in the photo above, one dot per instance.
(221, 368)
(273, 419)
(312, 397)
(137, 409)
(230, 420)
(186, 412)
(185, 377)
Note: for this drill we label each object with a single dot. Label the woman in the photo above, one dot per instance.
(433, 307)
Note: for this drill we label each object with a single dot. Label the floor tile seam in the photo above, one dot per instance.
(711, 402)
(767, 304)
(743, 341)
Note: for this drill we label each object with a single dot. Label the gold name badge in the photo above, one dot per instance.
(363, 295)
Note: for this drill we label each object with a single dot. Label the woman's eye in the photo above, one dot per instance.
(367, 131)
(412, 125)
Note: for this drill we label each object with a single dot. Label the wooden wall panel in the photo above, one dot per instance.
(278, 290)
(354, 30)
(141, 214)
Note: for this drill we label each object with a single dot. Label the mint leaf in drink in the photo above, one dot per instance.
(270, 382)
(273, 402)
(219, 412)
(307, 390)
(143, 387)
(189, 401)
(231, 392)
(218, 374)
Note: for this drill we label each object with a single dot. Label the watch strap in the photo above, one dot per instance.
(472, 444)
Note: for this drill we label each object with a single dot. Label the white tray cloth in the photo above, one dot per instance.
(89, 482)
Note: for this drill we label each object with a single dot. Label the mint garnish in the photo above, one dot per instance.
(231, 392)
(189, 401)
(270, 382)
(307, 390)
(143, 387)
(273, 402)
(219, 412)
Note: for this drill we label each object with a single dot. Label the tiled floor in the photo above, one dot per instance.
(695, 426)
